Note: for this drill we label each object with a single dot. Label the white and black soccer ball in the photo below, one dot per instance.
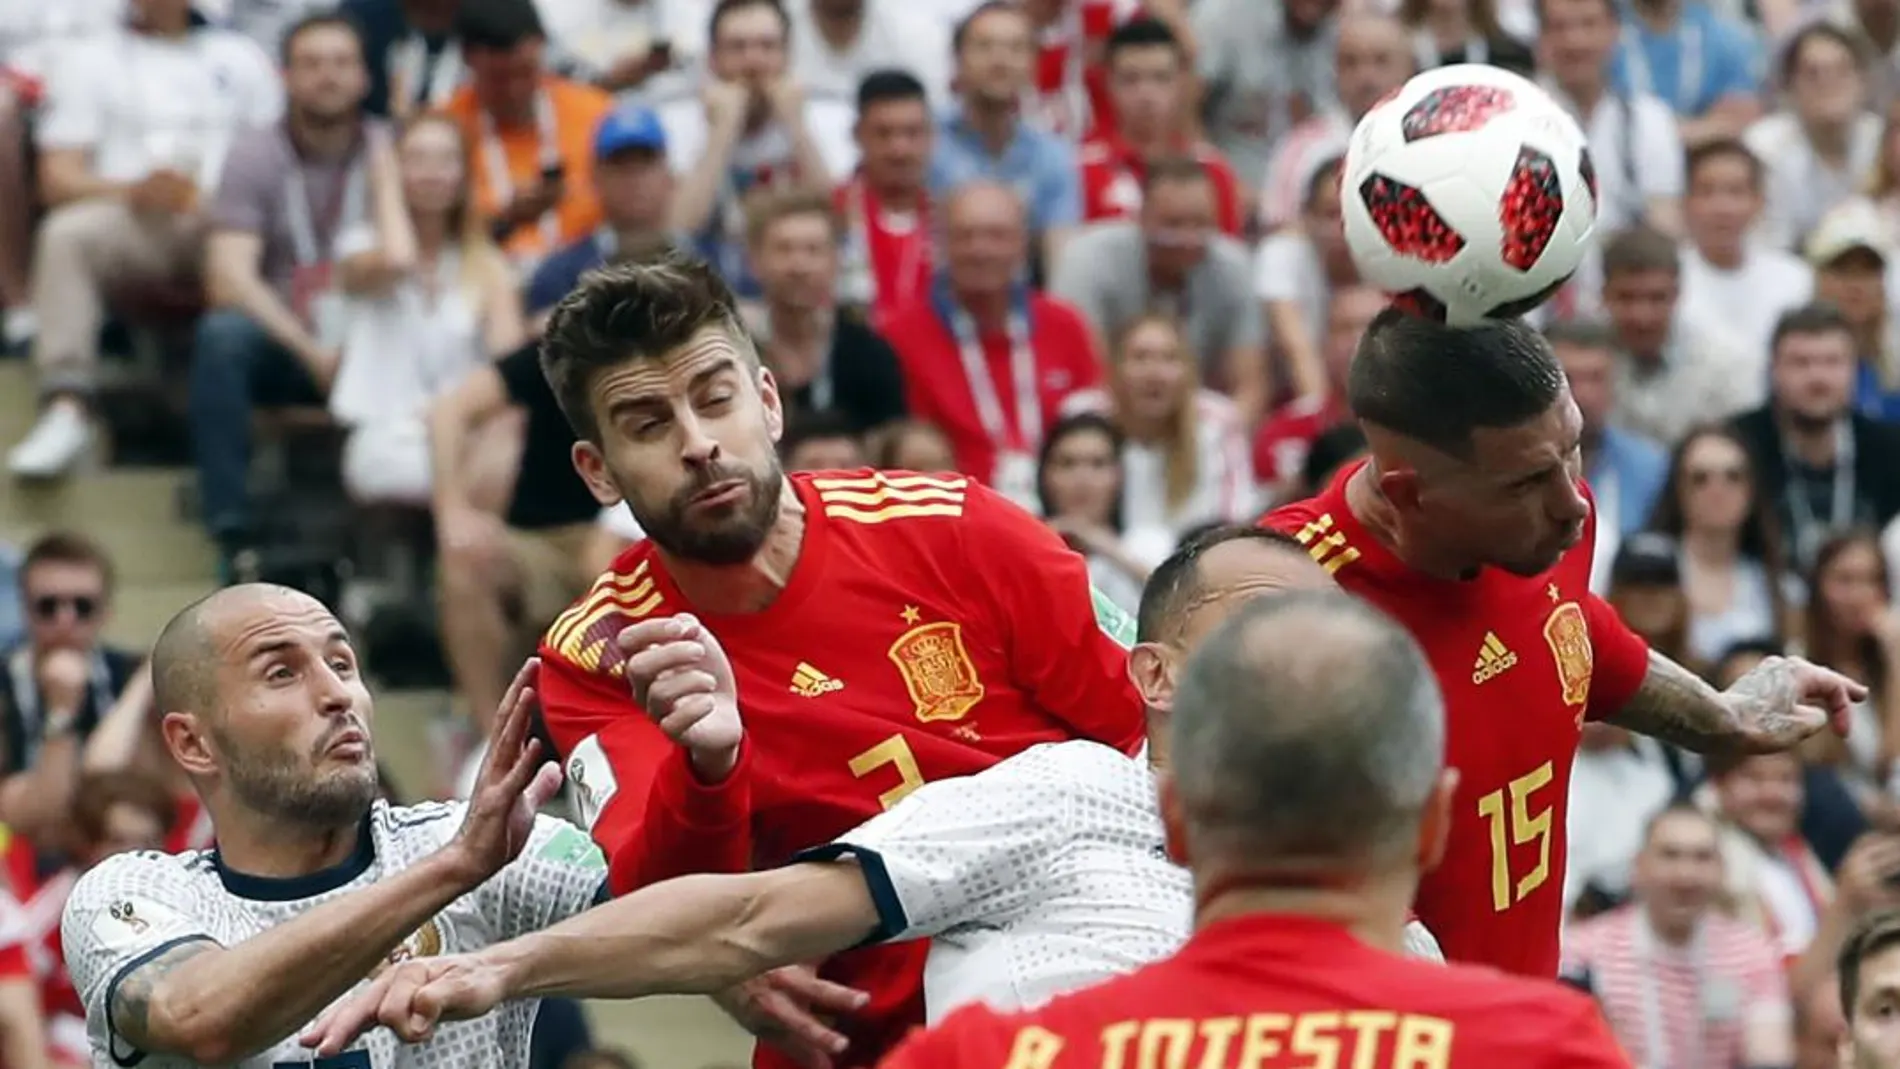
(1468, 194)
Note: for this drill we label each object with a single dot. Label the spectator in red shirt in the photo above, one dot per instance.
(986, 358)
(1148, 88)
(886, 205)
(1279, 450)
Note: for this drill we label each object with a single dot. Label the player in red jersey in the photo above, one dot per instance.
(887, 629)
(1307, 790)
(1148, 77)
(1471, 526)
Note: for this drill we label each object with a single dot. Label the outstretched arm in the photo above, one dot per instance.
(1782, 701)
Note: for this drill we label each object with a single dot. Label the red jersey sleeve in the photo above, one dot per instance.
(639, 796)
(1068, 644)
(1620, 660)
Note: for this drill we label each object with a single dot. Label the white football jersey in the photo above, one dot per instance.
(133, 907)
(1039, 875)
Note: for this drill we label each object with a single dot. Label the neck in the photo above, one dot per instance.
(1675, 932)
(794, 325)
(839, 29)
(1659, 16)
(1585, 96)
(1811, 444)
(637, 236)
(322, 138)
(989, 308)
(995, 125)
(1828, 138)
(1148, 144)
(1376, 514)
(432, 231)
(724, 589)
(1373, 913)
(1725, 254)
(257, 845)
(1142, 428)
(1712, 549)
(901, 195)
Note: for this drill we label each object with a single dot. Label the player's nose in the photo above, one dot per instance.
(697, 446)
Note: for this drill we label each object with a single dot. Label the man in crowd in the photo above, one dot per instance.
(1174, 260)
(987, 359)
(1073, 825)
(1869, 972)
(285, 195)
(1626, 470)
(1147, 84)
(1264, 71)
(867, 617)
(635, 189)
(132, 136)
(885, 206)
(1729, 275)
(752, 125)
(215, 958)
(1288, 434)
(1471, 526)
(1309, 790)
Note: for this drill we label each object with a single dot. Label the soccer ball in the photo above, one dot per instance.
(1468, 194)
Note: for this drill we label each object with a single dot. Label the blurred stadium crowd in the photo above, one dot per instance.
(301, 254)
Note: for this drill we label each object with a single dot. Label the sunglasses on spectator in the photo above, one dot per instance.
(48, 606)
(1700, 477)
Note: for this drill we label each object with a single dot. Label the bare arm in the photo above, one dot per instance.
(22, 1025)
(66, 175)
(504, 322)
(1290, 332)
(1773, 707)
(395, 233)
(125, 734)
(233, 280)
(450, 418)
(696, 193)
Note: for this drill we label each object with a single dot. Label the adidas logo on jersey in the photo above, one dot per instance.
(1494, 659)
(809, 682)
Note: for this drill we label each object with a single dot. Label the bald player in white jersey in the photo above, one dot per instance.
(1041, 875)
(221, 957)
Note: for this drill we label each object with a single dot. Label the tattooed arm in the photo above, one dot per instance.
(1782, 701)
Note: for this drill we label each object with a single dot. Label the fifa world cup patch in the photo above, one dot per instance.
(571, 847)
(133, 920)
(1112, 619)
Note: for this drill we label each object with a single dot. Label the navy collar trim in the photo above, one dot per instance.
(294, 888)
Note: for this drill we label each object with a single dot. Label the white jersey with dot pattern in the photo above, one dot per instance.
(134, 906)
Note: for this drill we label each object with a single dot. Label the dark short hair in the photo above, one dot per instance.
(498, 25)
(633, 310)
(1176, 580)
(987, 7)
(97, 793)
(1815, 317)
(1142, 31)
(727, 7)
(1639, 250)
(1677, 807)
(319, 20)
(1068, 427)
(1791, 50)
(1181, 169)
(1335, 447)
(67, 547)
(1723, 148)
(767, 205)
(1872, 935)
(888, 85)
(822, 425)
(1438, 384)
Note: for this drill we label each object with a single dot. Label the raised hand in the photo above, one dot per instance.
(1783, 700)
(787, 1008)
(514, 783)
(681, 677)
(410, 1000)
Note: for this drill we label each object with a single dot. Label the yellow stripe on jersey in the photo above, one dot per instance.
(891, 512)
(1326, 545)
(887, 495)
(632, 594)
(883, 480)
(883, 497)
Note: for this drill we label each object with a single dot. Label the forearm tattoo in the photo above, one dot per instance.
(1676, 706)
(131, 1008)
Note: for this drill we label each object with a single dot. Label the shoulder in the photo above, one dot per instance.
(1294, 515)
(869, 497)
(145, 871)
(625, 590)
(1217, 412)
(973, 1034)
(460, 105)
(1877, 430)
(1054, 312)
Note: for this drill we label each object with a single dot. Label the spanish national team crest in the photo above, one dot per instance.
(424, 942)
(937, 671)
(1569, 636)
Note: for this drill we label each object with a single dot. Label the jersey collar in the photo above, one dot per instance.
(310, 885)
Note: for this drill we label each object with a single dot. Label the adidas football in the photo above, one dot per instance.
(1468, 194)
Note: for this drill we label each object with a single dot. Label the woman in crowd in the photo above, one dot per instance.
(414, 330)
(1184, 452)
(1851, 628)
(1079, 482)
(1730, 552)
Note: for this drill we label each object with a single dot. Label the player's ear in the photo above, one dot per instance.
(1173, 824)
(1151, 670)
(189, 743)
(773, 404)
(1434, 826)
(1400, 486)
(591, 463)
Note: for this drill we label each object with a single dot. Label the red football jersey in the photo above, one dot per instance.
(1112, 177)
(1071, 81)
(1522, 663)
(929, 629)
(1273, 991)
(889, 259)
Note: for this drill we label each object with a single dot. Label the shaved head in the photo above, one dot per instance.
(184, 659)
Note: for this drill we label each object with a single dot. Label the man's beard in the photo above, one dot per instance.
(275, 784)
(1809, 423)
(733, 539)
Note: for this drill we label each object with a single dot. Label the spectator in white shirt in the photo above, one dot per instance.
(751, 125)
(132, 138)
(1728, 276)
(1184, 451)
(835, 43)
(1267, 67)
(1618, 782)
(1296, 272)
(1821, 147)
(1773, 878)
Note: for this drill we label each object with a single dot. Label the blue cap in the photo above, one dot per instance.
(627, 128)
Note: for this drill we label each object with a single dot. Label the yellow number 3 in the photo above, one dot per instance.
(1516, 827)
(893, 751)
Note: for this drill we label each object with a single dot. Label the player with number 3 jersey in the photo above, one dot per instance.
(1471, 526)
(885, 628)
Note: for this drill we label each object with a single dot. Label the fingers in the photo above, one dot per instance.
(671, 687)
(687, 714)
(655, 661)
(803, 1034)
(342, 1023)
(637, 637)
(1827, 686)
(820, 994)
(399, 1012)
(545, 785)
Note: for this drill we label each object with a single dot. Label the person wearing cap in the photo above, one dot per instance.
(1850, 250)
(635, 189)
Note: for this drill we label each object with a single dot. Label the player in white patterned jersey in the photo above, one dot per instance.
(221, 956)
(1045, 873)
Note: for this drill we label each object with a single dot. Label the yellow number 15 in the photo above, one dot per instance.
(1515, 825)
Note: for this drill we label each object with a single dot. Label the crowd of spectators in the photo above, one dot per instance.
(1087, 251)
